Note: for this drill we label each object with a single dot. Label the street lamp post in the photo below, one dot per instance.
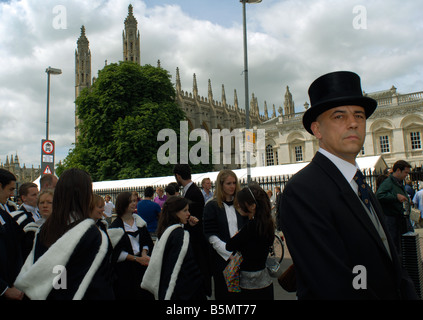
(247, 101)
(49, 71)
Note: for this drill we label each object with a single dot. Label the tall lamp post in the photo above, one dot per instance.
(49, 71)
(247, 101)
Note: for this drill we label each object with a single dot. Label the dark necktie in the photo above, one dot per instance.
(363, 189)
(133, 233)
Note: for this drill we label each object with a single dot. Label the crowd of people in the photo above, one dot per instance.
(168, 247)
(62, 243)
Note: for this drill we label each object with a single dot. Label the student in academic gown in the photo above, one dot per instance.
(10, 248)
(253, 241)
(173, 272)
(71, 255)
(222, 221)
(132, 252)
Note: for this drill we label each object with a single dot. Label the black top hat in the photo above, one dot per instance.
(336, 89)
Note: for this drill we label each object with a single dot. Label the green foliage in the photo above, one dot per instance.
(121, 115)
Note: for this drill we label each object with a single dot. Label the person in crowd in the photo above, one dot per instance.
(45, 204)
(207, 193)
(70, 257)
(221, 222)
(170, 190)
(332, 222)
(174, 272)
(133, 250)
(161, 197)
(418, 203)
(278, 196)
(45, 207)
(272, 202)
(109, 208)
(11, 259)
(137, 196)
(253, 241)
(28, 211)
(48, 181)
(149, 211)
(409, 188)
(97, 211)
(193, 193)
(392, 197)
(175, 185)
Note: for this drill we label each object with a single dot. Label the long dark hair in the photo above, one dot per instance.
(122, 203)
(71, 204)
(254, 194)
(168, 217)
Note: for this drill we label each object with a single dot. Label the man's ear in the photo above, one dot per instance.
(315, 128)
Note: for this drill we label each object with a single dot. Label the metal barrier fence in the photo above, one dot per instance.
(267, 183)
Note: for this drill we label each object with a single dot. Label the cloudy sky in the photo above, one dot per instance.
(290, 43)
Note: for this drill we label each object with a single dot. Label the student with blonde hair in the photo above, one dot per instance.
(221, 222)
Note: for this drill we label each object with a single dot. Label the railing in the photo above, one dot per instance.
(269, 183)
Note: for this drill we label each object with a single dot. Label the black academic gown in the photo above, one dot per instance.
(11, 259)
(129, 274)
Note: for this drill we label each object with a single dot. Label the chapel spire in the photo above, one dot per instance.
(131, 38)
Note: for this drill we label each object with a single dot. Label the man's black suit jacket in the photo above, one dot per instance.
(196, 207)
(329, 233)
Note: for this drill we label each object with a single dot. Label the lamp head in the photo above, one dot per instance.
(53, 71)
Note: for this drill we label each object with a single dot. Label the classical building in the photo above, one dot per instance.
(23, 174)
(394, 131)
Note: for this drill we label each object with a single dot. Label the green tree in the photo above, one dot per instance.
(121, 115)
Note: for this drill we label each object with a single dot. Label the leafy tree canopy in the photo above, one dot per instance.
(121, 115)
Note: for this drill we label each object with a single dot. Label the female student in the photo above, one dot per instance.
(221, 222)
(253, 241)
(133, 250)
(173, 272)
(70, 257)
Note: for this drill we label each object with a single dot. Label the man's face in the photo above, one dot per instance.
(207, 185)
(401, 175)
(341, 131)
(31, 197)
(178, 179)
(7, 192)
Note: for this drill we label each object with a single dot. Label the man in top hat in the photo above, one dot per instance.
(332, 222)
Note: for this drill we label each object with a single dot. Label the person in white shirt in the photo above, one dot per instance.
(207, 193)
(109, 208)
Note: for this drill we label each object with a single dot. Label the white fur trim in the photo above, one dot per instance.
(32, 226)
(151, 279)
(139, 221)
(115, 234)
(36, 279)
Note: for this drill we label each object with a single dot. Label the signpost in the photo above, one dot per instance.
(47, 157)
